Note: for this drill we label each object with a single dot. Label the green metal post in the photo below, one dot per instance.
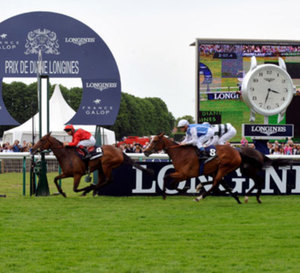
(98, 143)
(24, 175)
(43, 187)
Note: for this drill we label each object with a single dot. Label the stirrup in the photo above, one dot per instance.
(87, 156)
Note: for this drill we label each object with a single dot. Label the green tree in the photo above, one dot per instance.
(137, 116)
(142, 117)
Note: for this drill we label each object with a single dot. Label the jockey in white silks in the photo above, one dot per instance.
(222, 133)
(196, 134)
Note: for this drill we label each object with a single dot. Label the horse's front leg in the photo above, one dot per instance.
(77, 178)
(61, 176)
(215, 183)
(171, 181)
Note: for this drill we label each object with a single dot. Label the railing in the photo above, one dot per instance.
(136, 156)
(21, 160)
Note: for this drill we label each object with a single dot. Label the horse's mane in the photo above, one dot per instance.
(177, 146)
(58, 141)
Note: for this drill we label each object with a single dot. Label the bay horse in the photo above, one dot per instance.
(73, 166)
(186, 163)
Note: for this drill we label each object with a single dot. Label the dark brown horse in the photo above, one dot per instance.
(253, 162)
(73, 166)
(186, 163)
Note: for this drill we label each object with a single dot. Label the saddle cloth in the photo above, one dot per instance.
(95, 151)
(211, 152)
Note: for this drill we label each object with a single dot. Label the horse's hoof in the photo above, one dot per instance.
(63, 194)
(246, 199)
(197, 199)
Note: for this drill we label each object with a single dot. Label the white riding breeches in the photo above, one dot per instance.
(220, 139)
(227, 136)
(87, 142)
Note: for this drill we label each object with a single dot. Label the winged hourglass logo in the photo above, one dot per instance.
(44, 40)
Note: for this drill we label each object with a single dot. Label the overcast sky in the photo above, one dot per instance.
(150, 39)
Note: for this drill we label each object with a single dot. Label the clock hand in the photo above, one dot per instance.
(267, 95)
(270, 90)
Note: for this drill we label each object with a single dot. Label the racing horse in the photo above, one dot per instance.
(73, 166)
(253, 162)
(186, 163)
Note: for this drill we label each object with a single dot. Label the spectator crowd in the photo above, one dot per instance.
(16, 147)
(277, 148)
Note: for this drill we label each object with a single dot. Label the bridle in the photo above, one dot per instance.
(47, 140)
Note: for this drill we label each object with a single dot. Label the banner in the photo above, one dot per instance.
(69, 49)
(128, 181)
(268, 131)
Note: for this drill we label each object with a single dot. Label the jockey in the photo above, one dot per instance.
(196, 134)
(222, 133)
(81, 138)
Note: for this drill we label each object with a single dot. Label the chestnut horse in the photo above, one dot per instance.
(186, 163)
(73, 166)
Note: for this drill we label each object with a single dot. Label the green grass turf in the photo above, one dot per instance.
(145, 234)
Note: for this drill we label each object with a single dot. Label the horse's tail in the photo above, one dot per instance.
(129, 161)
(251, 160)
(259, 160)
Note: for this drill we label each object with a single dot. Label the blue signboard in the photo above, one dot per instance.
(69, 49)
(265, 131)
(131, 181)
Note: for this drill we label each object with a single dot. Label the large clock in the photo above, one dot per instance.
(267, 89)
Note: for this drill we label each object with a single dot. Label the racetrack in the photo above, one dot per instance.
(146, 234)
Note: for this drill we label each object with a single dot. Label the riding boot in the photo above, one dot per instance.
(87, 155)
(201, 154)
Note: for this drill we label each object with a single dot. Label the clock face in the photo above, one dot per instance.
(269, 89)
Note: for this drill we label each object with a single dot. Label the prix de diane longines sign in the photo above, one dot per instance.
(69, 49)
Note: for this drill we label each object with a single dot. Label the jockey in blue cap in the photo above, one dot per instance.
(196, 134)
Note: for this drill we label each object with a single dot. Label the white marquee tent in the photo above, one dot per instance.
(60, 114)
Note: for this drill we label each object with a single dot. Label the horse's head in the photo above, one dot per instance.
(43, 144)
(157, 144)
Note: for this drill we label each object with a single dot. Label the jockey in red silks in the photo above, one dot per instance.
(81, 138)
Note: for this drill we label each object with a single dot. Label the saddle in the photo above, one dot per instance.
(95, 151)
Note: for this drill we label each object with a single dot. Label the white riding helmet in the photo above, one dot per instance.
(182, 123)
